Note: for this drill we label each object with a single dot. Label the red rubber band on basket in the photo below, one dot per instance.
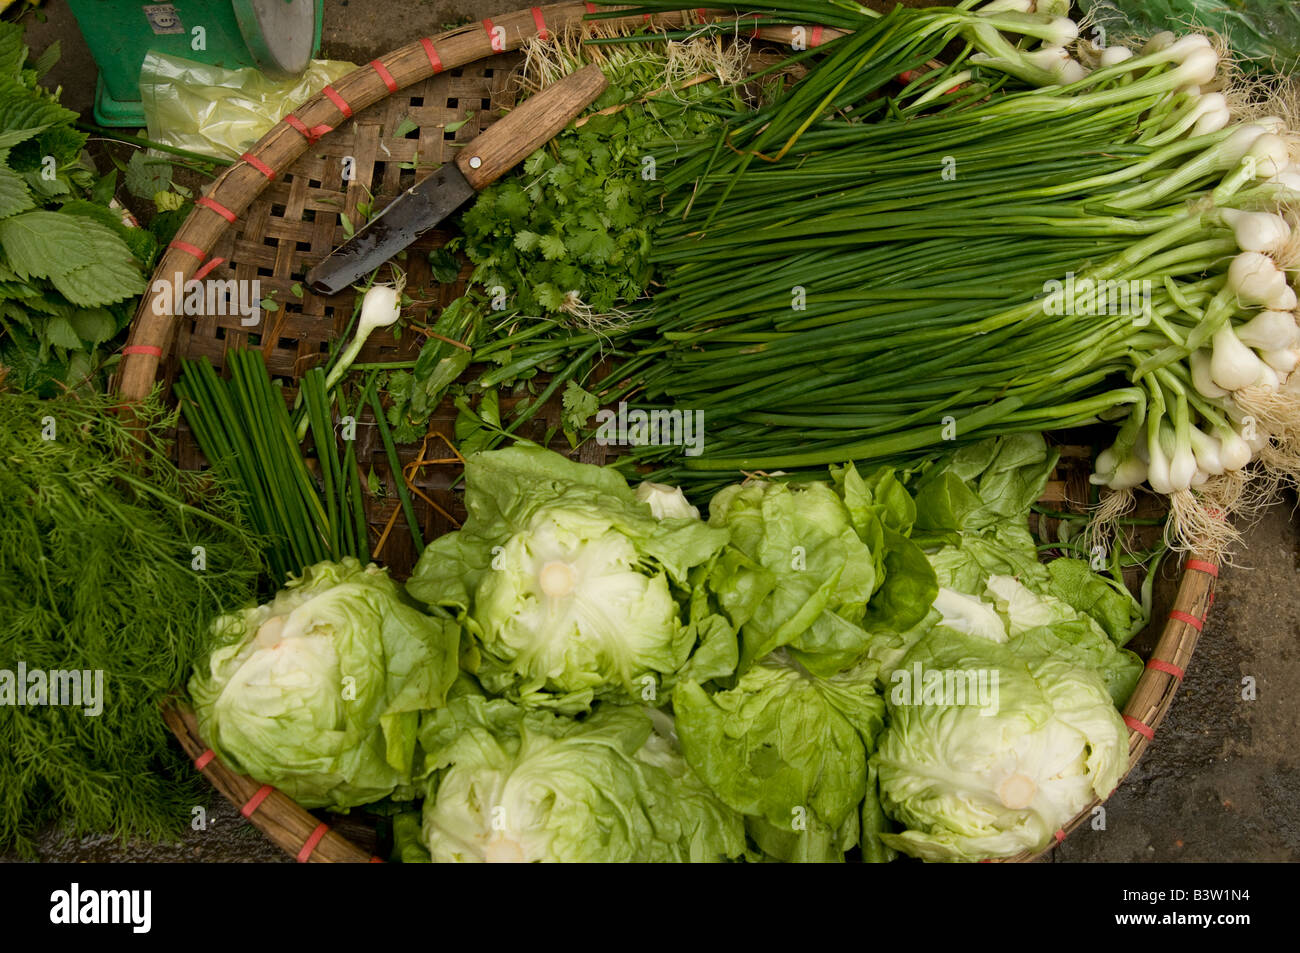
(1059, 835)
(258, 164)
(376, 860)
(1146, 731)
(150, 349)
(1201, 565)
(338, 100)
(217, 207)
(203, 760)
(540, 22)
(497, 40)
(1160, 665)
(203, 272)
(256, 800)
(591, 7)
(434, 60)
(816, 40)
(1191, 620)
(313, 134)
(312, 841)
(188, 249)
(382, 72)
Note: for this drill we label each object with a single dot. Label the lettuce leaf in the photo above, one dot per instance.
(788, 749)
(796, 573)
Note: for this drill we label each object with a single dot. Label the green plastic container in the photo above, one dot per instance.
(275, 36)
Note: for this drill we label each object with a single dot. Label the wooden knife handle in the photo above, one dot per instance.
(532, 124)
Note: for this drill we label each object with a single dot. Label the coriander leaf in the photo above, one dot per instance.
(580, 241)
(567, 275)
(578, 405)
(616, 193)
(512, 202)
(550, 297)
(602, 248)
(552, 247)
(399, 390)
(624, 216)
(560, 178)
(526, 241)
(536, 163)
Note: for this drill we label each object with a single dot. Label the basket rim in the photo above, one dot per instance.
(152, 334)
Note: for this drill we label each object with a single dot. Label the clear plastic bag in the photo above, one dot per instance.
(222, 112)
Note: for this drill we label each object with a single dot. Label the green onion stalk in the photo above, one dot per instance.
(1045, 235)
(243, 427)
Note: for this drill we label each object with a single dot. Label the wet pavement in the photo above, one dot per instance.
(1221, 782)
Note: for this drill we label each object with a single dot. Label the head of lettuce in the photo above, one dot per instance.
(319, 692)
(572, 588)
(993, 746)
(515, 785)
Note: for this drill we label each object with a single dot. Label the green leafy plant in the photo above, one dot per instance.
(568, 234)
(415, 394)
(70, 266)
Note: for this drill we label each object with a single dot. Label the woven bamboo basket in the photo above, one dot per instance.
(275, 213)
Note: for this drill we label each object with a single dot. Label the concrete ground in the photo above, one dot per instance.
(1220, 783)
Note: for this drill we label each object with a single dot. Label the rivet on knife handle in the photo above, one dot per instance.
(513, 138)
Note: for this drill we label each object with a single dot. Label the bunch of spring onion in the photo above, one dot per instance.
(1040, 234)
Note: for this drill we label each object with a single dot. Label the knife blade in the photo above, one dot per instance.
(482, 161)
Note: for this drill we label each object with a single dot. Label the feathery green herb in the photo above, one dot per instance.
(111, 560)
